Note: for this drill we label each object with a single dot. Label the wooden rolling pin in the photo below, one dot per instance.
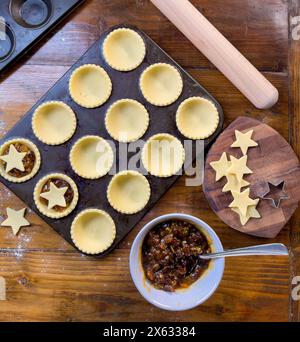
(219, 51)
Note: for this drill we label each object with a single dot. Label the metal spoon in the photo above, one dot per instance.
(269, 249)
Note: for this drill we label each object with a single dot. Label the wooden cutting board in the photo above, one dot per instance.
(272, 161)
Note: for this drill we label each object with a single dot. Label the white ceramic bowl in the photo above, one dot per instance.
(182, 299)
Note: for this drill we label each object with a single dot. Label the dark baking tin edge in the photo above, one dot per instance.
(171, 180)
(45, 29)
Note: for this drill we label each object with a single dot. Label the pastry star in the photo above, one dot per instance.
(15, 220)
(244, 141)
(242, 201)
(221, 166)
(233, 184)
(239, 167)
(55, 196)
(251, 213)
(14, 159)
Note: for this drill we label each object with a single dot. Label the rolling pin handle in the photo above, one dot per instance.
(219, 51)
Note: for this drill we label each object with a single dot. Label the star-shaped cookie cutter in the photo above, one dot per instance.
(275, 187)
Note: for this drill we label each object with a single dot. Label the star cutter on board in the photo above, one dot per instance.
(276, 193)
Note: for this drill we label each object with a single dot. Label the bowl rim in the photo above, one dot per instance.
(137, 243)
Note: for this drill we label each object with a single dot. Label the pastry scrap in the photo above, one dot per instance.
(56, 195)
(90, 86)
(20, 160)
(163, 155)
(127, 120)
(244, 141)
(221, 166)
(54, 123)
(242, 201)
(93, 231)
(128, 192)
(124, 49)
(91, 157)
(161, 84)
(239, 167)
(15, 220)
(252, 212)
(197, 118)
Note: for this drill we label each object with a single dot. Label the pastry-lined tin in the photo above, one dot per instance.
(92, 193)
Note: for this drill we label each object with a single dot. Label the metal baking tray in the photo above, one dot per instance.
(25, 22)
(92, 193)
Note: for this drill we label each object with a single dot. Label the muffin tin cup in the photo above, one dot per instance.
(7, 42)
(92, 193)
(26, 22)
(31, 13)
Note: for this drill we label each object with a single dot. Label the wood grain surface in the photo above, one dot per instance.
(48, 280)
(294, 96)
(272, 161)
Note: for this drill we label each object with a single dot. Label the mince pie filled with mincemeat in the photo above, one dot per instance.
(20, 160)
(56, 195)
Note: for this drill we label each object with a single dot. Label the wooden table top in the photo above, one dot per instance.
(47, 280)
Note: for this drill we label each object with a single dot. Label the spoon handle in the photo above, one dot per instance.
(269, 249)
